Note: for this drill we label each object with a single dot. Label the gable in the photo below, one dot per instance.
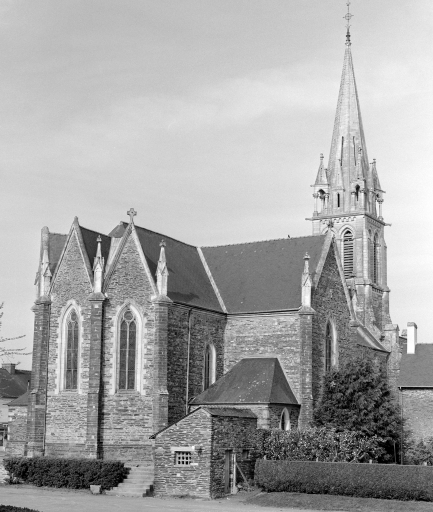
(262, 276)
(188, 282)
(72, 268)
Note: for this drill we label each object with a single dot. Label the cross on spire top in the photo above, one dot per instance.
(347, 18)
(132, 213)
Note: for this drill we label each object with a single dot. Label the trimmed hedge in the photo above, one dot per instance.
(386, 481)
(13, 508)
(71, 473)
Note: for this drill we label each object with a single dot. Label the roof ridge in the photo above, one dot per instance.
(260, 241)
(96, 232)
(61, 234)
(165, 236)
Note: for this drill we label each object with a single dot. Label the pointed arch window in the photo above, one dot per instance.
(285, 420)
(357, 189)
(375, 259)
(71, 363)
(209, 366)
(328, 348)
(348, 253)
(127, 351)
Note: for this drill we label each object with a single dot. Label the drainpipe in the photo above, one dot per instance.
(187, 362)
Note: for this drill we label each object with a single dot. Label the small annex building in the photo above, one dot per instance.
(416, 384)
(13, 383)
(257, 384)
(200, 454)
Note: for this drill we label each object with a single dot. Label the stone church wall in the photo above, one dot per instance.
(206, 327)
(127, 420)
(275, 335)
(329, 302)
(67, 410)
(417, 405)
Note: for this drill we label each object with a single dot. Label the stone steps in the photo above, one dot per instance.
(138, 483)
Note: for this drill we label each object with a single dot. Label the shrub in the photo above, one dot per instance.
(357, 397)
(12, 508)
(71, 473)
(419, 453)
(363, 480)
(317, 444)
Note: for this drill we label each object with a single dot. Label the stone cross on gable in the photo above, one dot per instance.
(132, 213)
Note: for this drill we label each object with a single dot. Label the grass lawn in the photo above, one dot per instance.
(329, 502)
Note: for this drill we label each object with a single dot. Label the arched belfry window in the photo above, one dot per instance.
(357, 188)
(348, 253)
(375, 259)
(71, 359)
(127, 350)
(209, 366)
(285, 420)
(328, 348)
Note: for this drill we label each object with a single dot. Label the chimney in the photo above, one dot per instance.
(411, 337)
(10, 367)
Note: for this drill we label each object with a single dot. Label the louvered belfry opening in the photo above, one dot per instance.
(375, 259)
(328, 348)
(348, 254)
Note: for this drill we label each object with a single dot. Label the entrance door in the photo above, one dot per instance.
(228, 471)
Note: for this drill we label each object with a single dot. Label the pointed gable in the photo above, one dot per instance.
(188, 282)
(262, 276)
(258, 380)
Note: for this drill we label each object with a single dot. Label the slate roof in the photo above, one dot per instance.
(262, 276)
(15, 384)
(255, 380)
(366, 339)
(230, 412)
(188, 281)
(56, 242)
(91, 245)
(416, 369)
(22, 400)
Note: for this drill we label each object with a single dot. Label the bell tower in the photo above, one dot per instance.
(348, 200)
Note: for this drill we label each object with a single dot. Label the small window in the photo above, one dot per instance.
(338, 200)
(71, 373)
(285, 420)
(245, 454)
(182, 458)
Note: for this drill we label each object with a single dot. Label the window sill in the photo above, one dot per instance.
(127, 392)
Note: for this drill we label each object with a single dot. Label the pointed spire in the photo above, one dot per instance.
(322, 178)
(98, 268)
(346, 162)
(162, 271)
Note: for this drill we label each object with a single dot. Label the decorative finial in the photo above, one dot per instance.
(321, 156)
(132, 213)
(347, 18)
(162, 243)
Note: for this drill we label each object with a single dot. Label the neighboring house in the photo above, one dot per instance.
(17, 426)
(13, 383)
(416, 384)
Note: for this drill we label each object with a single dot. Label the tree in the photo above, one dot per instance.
(8, 352)
(357, 397)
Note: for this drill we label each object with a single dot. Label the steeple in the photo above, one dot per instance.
(348, 197)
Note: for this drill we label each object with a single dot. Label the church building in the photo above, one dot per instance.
(134, 330)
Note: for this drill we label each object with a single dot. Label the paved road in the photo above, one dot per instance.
(59, 500)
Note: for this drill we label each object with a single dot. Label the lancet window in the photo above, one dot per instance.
(285, 420)
(328, 348)
(71, 366)
(375, 259)
(209, 366)
(348, 253)
(127, 351)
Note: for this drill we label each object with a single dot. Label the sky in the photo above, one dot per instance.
(208, 117)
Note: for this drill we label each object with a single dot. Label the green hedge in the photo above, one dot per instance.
(385, 481)
(71, 473)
